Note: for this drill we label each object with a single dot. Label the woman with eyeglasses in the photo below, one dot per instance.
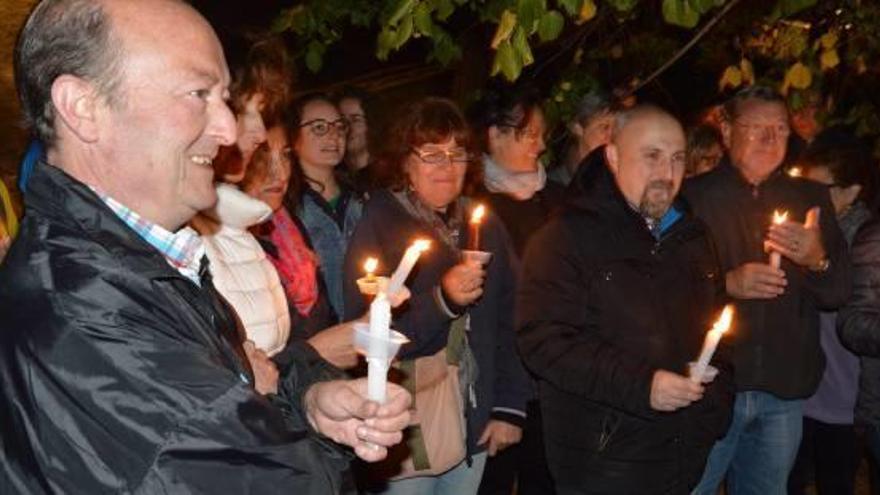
(509, 123)
(459, 318)
(326, 207)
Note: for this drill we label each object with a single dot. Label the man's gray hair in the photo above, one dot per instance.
(733, 106)
(63, 37)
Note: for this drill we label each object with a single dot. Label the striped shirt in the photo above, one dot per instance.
(183, 249)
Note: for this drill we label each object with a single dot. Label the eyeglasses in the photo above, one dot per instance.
(320, 127)
(756, 131)
(437, 157)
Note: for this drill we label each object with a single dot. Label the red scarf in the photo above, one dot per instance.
(297, 265)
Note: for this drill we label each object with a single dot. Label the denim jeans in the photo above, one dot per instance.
(759, 449)
(460, 480)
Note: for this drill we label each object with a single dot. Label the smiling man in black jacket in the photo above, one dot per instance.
(121, 368)
(776, 349)
(616, 298)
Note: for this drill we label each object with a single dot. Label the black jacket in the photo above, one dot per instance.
(602, 306)
(119, 375)
(858, 323)
(523, 218)
(385, 231)
(776, 346)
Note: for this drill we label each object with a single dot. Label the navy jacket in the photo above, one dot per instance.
(385, 231)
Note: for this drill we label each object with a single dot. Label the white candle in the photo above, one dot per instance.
(713, 337)
(775, 257)
(380, 332)
(406, 264)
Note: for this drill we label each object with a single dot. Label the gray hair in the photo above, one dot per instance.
(63, 37)
(591, 105)
(733, 106)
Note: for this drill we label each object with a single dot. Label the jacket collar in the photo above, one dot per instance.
(596, 190)
(236, 209)
(65, 201)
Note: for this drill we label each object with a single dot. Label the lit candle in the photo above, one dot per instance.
(778, 218)
(476, 220)
(713, 337)
(795, 172)
(380, 332)
(406, 264)
(370, 267)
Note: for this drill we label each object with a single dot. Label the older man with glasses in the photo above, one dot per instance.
(776, 352)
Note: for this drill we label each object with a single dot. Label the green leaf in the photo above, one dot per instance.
(528, 12)
(785, 8)
(385, 43)
(550, 26)
(403, 8)
(445, 49)
(507, 62)
(422, 19)
(622, 5)
(680, 13)
(404, 32)
(504, 29)
(315, 56)
(522, 47)
(571, 7)
(445, 8)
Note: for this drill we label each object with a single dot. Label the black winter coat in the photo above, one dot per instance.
(602, 306)
(776, 347)
(120, 375)
(858, 323)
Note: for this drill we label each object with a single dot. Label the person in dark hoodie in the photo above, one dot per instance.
(776, 352)
(617, 294)
(123, 370)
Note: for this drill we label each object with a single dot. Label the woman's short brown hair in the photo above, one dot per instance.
(260, 64)
(431, 120)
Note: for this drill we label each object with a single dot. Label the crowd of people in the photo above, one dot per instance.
(179, 300)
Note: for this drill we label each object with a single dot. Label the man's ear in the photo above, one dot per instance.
(76, 106)
(612, 157)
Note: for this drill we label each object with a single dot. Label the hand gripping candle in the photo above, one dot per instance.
(713, 337)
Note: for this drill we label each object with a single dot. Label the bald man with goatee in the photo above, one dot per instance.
(617, 294)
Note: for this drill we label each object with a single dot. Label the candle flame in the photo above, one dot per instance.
(795, 172)
(778, 217)
(477, 214)
(370, 265)
(724, 321)
(422, 245)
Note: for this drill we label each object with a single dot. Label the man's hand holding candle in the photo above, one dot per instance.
(801, 243)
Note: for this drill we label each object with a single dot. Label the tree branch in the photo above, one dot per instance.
(690, 44)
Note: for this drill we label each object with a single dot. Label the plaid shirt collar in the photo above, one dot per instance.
(183, 249)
